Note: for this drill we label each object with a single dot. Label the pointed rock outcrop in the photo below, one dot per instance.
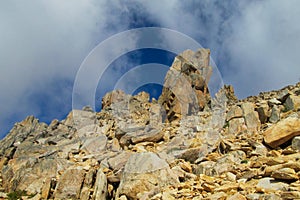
(186, 84)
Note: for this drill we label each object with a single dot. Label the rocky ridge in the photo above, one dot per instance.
(186, 145)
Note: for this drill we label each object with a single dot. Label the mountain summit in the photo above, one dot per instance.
(188, 144)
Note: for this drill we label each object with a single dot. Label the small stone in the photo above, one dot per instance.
(227, 187)
(46, 188)
(3, 195)
(123, 197)
(273, 102)
(186, 167)
(205, 167)
(115, 146)
(290, 195)
(296, 143)
(266, 184)
(285, 174)
(217, 196)
(237, 196)
(254, 196)
(230, 176)
(167, 196)
(272, 197)
(208, 187)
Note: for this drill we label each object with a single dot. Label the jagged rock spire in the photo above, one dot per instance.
(186, 84)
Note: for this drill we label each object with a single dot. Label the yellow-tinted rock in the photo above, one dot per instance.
(282, 132)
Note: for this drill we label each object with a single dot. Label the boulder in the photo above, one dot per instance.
(94, 145)
(144, 172)
(69, 184)
(292, 103)
(282, 132)
(234, 112)
(236, 125)
(79, 119)
(263, 113)
(251, 117)
(275, 115)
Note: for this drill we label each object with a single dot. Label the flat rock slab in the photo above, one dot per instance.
(143, 172)
(69, 184)
(94, 145)
(282, 132)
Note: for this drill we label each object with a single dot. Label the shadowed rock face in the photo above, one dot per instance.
(186, 84)
(129, 151)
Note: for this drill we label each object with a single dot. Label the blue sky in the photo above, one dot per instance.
(255, 45)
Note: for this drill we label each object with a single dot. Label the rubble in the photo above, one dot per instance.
(185, 146)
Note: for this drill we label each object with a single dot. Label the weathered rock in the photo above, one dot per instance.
(285, 174)
(275, 115)
(69, 185)
(289, 163)
(263, 113)
(87, 184)
(153, 135)
(3, 195)
(283, 95)
(94, 145)
(144, 172)
(283, 131)
(118, 162)
(251, 116)
(236, 126)
(237, 196)
(234, 112)
(79, 119)
(112, 97)
(19, 133)
(292, 103)
(290, 195)
(229, 92)
(268, 185)
(296, 143)
(273, 102)
(46, 188)
(100, 190)
(185, 89)
(210, 153)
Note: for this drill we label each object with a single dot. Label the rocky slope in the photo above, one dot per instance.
(186, 145)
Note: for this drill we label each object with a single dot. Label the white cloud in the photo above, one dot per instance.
(264, 47)
(46, 41)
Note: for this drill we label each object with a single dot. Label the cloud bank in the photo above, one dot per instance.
(254, 43)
